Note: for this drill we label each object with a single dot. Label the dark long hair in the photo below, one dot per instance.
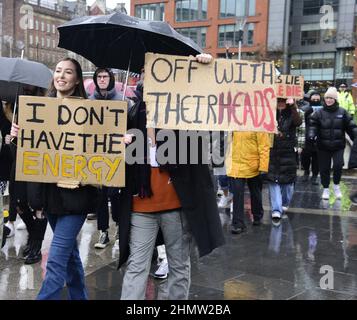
(79, 90)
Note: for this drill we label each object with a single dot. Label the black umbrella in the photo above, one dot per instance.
(121, 41)
(16, 72)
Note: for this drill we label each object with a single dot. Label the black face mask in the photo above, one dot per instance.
(315, 103)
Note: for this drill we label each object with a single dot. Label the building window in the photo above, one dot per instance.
(36, 40)
(152, 11)
(237, 8)
(48, 42)
(53, 44)
(312, 34)
(312, 61)
(53, 29)
(196, 34)
(344, 63)
(311, 37)
(36, 24)
(48, 28)
(42, 26)
(312, 7)
(191, 10)
(31, 39)
(250, 34)
(42, 42)
(228, 35)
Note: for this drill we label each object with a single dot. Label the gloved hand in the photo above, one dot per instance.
(263, 175)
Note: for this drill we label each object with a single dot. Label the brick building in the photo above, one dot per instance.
(213, 24)
(31, 27)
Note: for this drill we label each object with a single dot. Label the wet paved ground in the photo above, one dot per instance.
(266, 262)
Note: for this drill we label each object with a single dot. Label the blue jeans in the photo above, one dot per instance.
(64, 265)
(225, 183)
(280, 195)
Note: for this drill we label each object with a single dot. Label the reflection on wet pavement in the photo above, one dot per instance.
(267, 262)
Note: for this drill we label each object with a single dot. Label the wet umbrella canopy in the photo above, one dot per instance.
(121, 41)
(16, 72)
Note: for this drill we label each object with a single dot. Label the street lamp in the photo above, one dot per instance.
(240, 22)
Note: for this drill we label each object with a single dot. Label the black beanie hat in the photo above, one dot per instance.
(111, 75)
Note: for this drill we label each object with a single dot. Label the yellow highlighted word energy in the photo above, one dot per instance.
(77, 167)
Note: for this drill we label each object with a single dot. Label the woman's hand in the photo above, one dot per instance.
(204, 58)
(8, 139)
(67, 184)
(14, 130)
(128, 138)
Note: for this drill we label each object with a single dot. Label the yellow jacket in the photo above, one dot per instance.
(345, 101)
(248, 154)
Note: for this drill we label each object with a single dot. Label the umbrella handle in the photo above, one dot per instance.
(127, 74)
(15, 106)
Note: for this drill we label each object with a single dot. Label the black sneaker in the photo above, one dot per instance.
(353, 198)
(314, 181)
(103, 240)
(237, 230)
(91, 216)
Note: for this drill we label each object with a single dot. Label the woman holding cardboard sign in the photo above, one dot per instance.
(65, 204)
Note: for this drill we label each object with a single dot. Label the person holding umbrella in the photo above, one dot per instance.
(104, 81)
(65, 205)
(164, 196)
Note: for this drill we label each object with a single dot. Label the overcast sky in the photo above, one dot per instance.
(112, 3)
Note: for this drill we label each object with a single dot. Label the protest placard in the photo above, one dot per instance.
(227, 95)
(289, 86)
(71, 140)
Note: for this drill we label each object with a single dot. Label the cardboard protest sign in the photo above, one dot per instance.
(229, 95)
(289, 86)
(71, 140)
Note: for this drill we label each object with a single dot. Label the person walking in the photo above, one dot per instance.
(247, 160)
(104, 81)
(36, 224)
(65, 205)
(328, 127)
(309, 151)
(179, 199)
(283, 162)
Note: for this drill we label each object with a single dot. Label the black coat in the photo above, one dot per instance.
(282, 162)
(329, 125)
(194, 187)
(5, 153)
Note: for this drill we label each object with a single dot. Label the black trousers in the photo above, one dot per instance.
(309, 157)
(255, 186)
(325, 158)
(103, 211)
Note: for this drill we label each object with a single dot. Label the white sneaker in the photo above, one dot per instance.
(326, 194)
(162, 271)
(21, 226)
(337, 190)
(285, 208)
(225, 201)
(116, 245)
(276, 215)
(103, 240)
(10, 226)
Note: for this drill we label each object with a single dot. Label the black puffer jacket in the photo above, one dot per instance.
(5, 154)
(282, 163)
(328, 127)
